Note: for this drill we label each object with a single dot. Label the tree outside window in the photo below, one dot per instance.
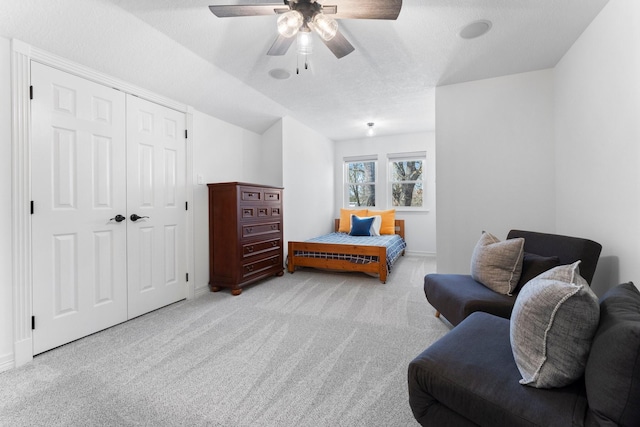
(407, 184)
(361, 183)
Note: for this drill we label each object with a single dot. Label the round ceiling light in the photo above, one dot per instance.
(475, 29)
(279, 74)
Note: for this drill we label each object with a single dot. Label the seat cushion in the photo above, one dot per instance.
(612, 375)
(458, 295)
(471, 372)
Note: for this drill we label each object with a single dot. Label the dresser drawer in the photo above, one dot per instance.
(259, 266)
(253, 212)
(261, 229)
(256, 248)
(248, 194)
(272, 196)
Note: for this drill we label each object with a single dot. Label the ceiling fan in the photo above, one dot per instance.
(302, 16)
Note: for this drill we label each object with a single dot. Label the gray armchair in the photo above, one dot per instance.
(456, 296)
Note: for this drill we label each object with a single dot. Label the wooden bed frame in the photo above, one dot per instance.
(379, 267)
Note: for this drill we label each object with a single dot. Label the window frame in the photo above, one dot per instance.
(405, 157)
(346, 184)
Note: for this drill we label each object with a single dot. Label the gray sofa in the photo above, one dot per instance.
(456, 296)
(469, 376)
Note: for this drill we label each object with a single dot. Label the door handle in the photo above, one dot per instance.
(118, 218)
(135, 217)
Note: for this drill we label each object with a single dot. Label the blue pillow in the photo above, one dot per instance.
(361, 226)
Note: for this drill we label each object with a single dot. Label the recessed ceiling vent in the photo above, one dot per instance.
(475, 29)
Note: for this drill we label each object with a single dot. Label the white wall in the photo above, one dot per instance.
(597, 86)
(221, 153)
(307, 159)
(271, 155)
(495, 165)
(420, 227)
(6, 299)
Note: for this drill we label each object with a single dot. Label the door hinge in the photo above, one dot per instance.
(187, 277)
(32, 208)
(185, 134)
(186, 206)
(33, 322)
(31, 92)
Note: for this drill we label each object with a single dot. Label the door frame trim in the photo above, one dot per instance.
(22, 54)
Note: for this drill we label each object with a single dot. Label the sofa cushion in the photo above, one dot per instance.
(458, 295)
(471, 372)
(533, 265)
(553, 322)
(612, 375)
(496, 264)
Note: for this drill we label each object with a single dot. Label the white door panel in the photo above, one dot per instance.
(156, 190)
(79, 258)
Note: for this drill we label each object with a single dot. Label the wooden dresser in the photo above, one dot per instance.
(245, 234)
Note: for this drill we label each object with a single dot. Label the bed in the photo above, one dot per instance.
(342, 252)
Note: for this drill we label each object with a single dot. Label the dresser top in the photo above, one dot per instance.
(246, 184)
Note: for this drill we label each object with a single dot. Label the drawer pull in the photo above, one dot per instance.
(249, 230)
(250, 268)
(250, 249)
(274, 227)
(274, 244)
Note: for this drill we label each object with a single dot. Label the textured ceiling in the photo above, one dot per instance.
(389, 79)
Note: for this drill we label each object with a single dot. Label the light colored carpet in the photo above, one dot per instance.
(307, 349)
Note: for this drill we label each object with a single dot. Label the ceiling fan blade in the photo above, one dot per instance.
(366, 9)
(339, 45)
(281, 45)
(330, 10)
(227, 11)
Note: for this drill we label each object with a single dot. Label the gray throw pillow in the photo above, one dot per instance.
(553, 322)
(497, 265)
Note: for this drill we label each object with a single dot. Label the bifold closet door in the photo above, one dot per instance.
(78, 189)
(156, 193)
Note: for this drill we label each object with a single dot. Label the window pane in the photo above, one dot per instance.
(407, 170)
(361, 172)
(407, 194)
(362, 195)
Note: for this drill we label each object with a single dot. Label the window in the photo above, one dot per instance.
(360, 182)
(406, 180)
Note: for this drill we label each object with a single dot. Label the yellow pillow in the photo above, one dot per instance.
(388, 220)
(345, 218)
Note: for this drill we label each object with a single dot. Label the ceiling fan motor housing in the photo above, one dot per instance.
(308, 9)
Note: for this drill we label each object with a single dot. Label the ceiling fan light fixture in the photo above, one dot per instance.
(370, 131)
(325, 26)
(289, 23)
(305, 43)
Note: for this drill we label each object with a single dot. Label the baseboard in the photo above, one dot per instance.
(6, 362)
(23, 352)
(201, 291)
(420, 253)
